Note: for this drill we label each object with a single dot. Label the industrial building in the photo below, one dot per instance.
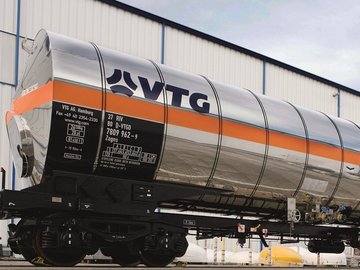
(136, 32)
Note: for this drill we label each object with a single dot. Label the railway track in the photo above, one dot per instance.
(23, 265)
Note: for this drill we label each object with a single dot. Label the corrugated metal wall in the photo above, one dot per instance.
(350, 107)
(6, 92)
(7, 15)
(124, 31)
(196, 55)
(113, 28)
(7, 57)
(300, 90)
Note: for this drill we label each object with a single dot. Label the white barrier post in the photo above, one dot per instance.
(215, 250)
(222, 250)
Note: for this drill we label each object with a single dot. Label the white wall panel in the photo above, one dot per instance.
(350, 107)
(7, 57)
(5, 157)
(300, 90)
(6, 93)
(8, 11)
(94, 21)
(196, 55)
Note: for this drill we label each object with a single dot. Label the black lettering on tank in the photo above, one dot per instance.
(151, 93)
(194, 98)
(177, 94)
(154, 92)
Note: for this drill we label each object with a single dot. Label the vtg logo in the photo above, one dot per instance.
(153, 92)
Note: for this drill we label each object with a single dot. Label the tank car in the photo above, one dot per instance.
(103, 140)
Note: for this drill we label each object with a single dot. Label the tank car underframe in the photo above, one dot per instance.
(70, 215)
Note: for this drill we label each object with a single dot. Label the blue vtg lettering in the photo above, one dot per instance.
(197, 101)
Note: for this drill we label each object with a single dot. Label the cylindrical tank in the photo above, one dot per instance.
(88, 109)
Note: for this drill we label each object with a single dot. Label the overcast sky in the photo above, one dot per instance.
(319, 36)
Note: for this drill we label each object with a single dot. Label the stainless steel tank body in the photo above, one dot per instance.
(84, 108)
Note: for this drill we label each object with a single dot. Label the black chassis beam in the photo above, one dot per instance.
(92, 194)
(208, 227)
(86, 197)
(90, 224)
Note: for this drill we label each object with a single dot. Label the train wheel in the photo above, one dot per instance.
(26, 248)
(53, 256)
(126, 261)
(32, 257)
(124, 254)
(156, 260)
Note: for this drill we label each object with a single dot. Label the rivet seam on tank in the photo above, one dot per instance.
(306, 163)
(342, 161)
(166, 107)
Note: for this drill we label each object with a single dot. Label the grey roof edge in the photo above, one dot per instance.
(227, 44)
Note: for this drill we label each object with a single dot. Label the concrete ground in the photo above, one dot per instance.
(21, 265)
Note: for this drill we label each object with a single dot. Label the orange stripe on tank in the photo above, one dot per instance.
(323, 150)
(33, 99)
(79, 95)
(243, 132)
(288, 142)
(9, 115)
(134, 107)
(92, 98)
(194, 120)
(351, 157)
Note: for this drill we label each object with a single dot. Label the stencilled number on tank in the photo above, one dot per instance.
(75, 133)
(117, 129)
(126, 134)
(124, 143)
(112, 132)
(128, 154)
(76, 126)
